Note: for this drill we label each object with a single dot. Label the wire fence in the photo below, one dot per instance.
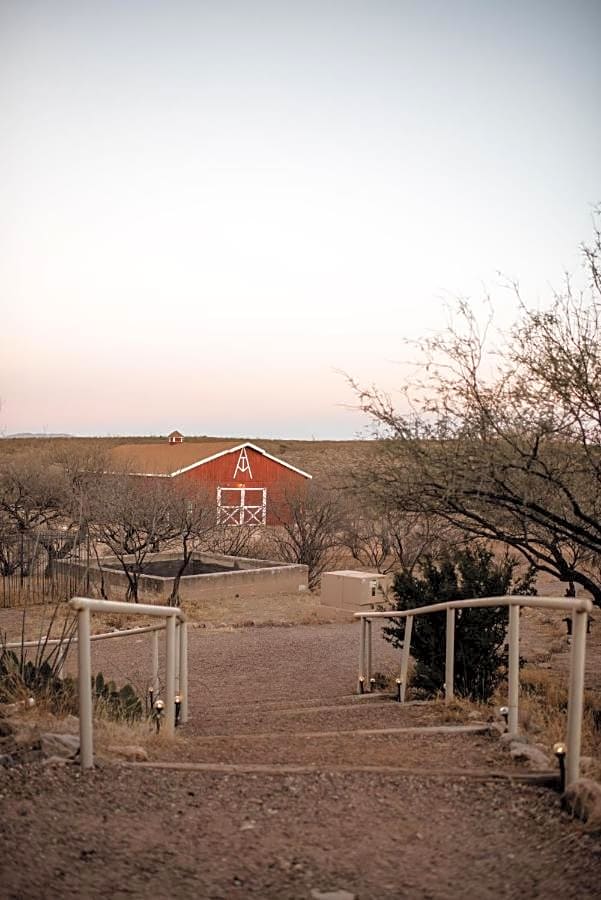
(42, 566)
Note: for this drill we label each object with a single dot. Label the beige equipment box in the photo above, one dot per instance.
(354, 590)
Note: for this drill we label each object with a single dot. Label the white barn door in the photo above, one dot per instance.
(241, 506)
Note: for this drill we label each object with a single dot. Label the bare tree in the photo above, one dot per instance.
(33, 496)
(510, 451)
(309, 530)
(32, 491)
(233, 540)
(193, 519)
(130, 516)
(391, 539)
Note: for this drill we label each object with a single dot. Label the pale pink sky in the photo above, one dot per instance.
(209, 209)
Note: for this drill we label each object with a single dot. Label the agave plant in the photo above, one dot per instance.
(38, 671)
(121, 703)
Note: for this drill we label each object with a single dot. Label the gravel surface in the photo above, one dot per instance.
(137, 833)
(272, 696)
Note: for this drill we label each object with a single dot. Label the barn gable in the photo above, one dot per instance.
(242, 465)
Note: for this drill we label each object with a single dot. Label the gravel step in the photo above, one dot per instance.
(330, 717)
(548, 778)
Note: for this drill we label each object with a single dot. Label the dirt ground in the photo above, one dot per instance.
(303, 608)
(288, 785)
(123, 832)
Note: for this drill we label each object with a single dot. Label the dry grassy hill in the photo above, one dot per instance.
(325, 460)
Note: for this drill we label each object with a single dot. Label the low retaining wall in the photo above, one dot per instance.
(245, 578)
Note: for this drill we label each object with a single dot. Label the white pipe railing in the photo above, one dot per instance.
(173, 616)
(55, 642)
(580, 609)
(67, 640)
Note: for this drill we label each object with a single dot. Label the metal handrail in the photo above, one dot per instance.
(56, 642)
(174, 621)
(580, 608)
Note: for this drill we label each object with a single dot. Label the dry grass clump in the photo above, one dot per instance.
(141, 733)
(543, 713)
(108, 732)
(459, 710)
(583, 800)
(298, 608)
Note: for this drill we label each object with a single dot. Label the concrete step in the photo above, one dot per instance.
(388, 745)
(546, 778)
(269, 702)
(476, 728)
(344, 715)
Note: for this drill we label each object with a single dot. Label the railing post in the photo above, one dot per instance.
(405, 656)
(361, 675)
(86, 738)
(154, 637)
(449, 672)
(183, 670)
(576, 694)
(177, 651)
(514, 668)
(369, 654)
(170, 678)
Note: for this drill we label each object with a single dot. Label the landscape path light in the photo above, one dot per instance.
(560, 750)
(159, 707)
(504, 711)
(178, 707)
(398, 689)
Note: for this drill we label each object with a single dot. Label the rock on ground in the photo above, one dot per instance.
(582, 799)
(533, 756)
(130, 753)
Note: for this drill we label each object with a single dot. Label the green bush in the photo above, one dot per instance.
(480, 657)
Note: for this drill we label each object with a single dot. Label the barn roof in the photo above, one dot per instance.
(167, 460)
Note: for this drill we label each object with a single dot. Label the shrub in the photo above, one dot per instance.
(480, 657)
(116, 703)
(41, 677)
(18, 678)
(37, 671)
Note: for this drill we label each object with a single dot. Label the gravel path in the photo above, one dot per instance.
(137, 833)
(272, 696)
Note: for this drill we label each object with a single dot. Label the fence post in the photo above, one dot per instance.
(576, 694)
(514, 668)
(183, 670)
(86, 738)
(449, 672)
(170, 678)
(405, 656)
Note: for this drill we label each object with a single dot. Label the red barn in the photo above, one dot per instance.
(251, 487)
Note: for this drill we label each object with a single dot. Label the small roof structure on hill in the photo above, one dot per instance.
(166, 460)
